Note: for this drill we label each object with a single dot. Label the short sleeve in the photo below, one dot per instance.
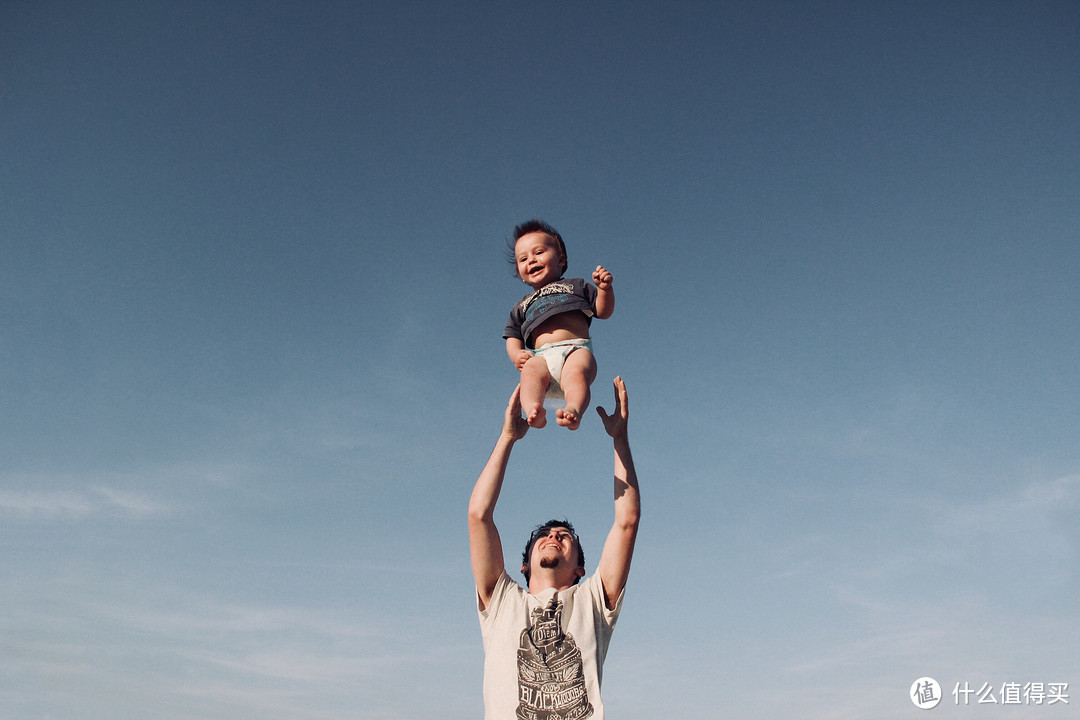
(590, 292)
(513, 326)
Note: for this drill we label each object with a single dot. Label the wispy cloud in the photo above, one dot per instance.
(216, 619)
(1053, 495)
(74, 504)
(251, 659)
(133, 493)
(1034, 521)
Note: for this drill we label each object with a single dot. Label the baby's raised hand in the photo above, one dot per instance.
(602, 278)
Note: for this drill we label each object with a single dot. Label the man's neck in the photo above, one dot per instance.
(540, 583)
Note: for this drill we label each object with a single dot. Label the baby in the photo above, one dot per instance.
(547, 336)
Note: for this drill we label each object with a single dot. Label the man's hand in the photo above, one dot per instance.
(615, 424)
(614, 566)
(601, 278)
(521, 358)
(514, 424)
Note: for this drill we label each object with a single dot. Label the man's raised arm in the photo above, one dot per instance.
(614, 565)
(485, 547)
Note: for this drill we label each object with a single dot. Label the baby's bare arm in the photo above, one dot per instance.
(605, 296)
(515, 350)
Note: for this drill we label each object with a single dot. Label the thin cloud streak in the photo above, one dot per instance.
(260, 661)
(70, 504)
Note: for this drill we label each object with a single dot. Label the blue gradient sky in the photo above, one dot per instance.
(252, 289)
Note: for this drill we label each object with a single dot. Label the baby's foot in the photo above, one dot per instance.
(537, 416)
(568, 417)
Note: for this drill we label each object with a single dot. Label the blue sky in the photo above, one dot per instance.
(251, 298)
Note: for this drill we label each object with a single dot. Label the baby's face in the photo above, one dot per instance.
(538, 259)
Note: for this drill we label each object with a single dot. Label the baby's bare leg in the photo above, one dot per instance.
(578, 372)
(534, 385)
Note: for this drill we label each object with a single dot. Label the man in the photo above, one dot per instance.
(544, 647)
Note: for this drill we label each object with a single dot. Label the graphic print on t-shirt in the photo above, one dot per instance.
(551, 682)
(548, 297)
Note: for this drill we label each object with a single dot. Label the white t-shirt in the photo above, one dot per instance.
(544, 654)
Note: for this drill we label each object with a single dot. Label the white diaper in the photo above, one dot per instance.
(555, 355)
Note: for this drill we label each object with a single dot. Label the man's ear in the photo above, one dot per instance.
(524, 567)
(579, 571)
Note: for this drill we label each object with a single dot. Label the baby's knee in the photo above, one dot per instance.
(535, 367)
(534, 363)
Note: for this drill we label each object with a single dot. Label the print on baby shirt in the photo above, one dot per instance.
(543, 300)
(551, 683)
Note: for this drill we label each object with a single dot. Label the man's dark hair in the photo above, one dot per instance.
(531, 226)
(542, 531)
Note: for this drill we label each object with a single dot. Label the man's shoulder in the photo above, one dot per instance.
(506, 587)
(592, 585)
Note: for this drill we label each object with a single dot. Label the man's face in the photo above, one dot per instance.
(555, 548)
(538, 259)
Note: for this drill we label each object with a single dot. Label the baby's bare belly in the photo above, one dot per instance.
(564, 326)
